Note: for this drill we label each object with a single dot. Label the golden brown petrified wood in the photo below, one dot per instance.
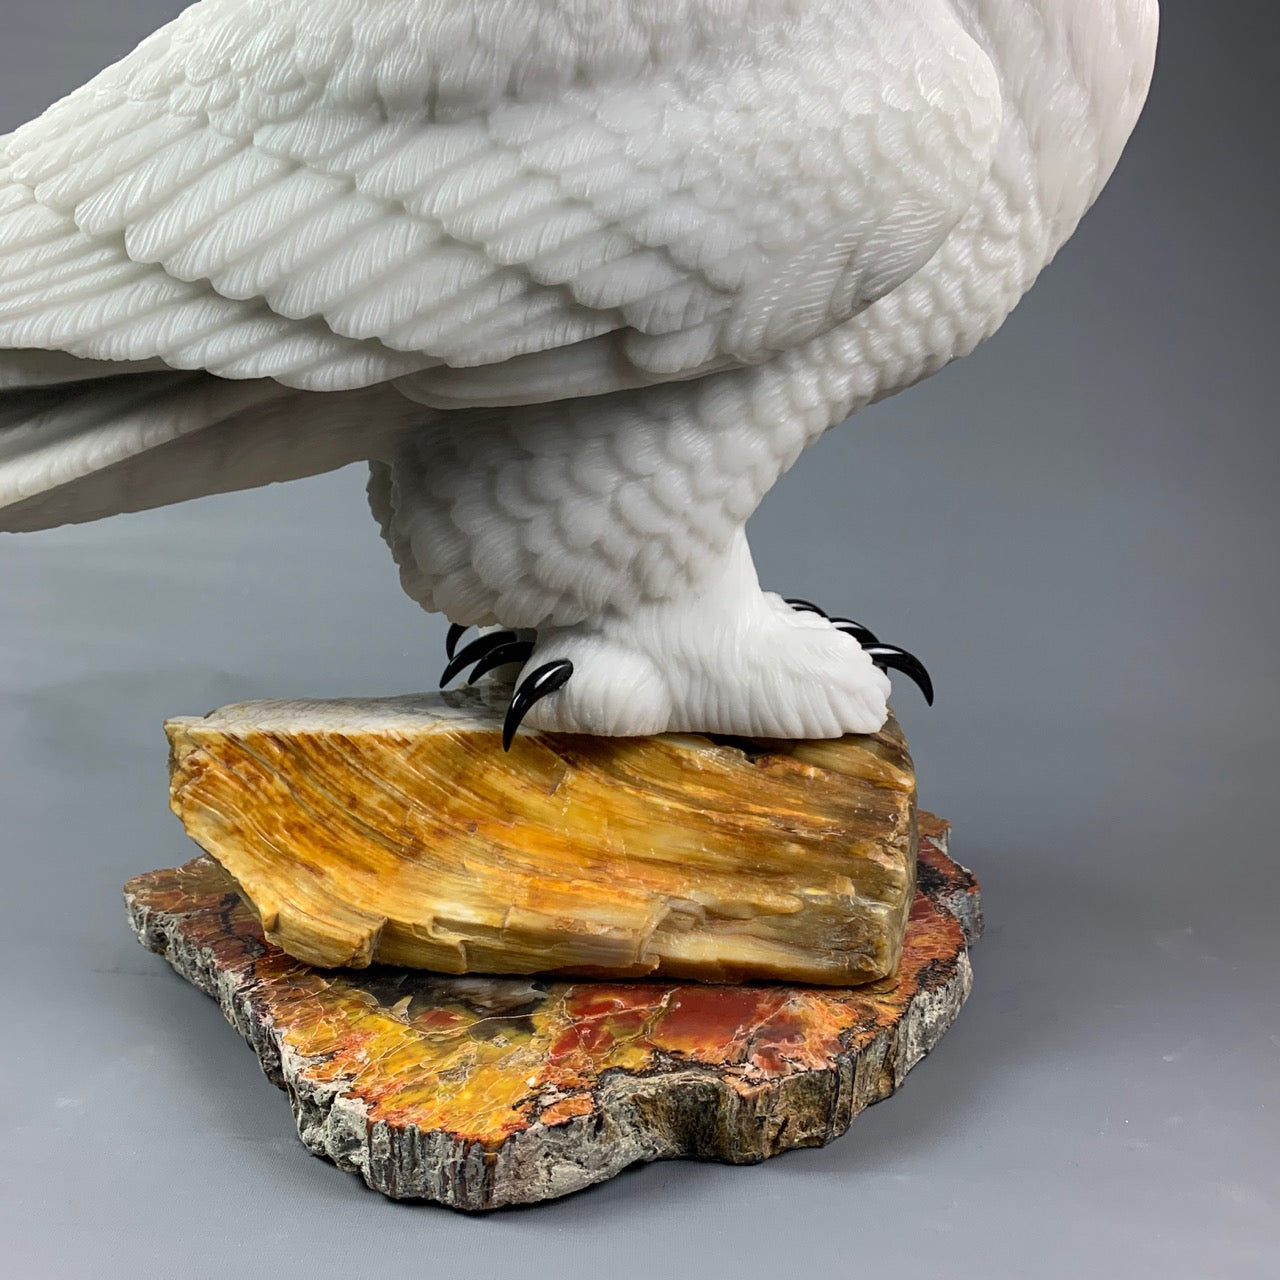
(398, 831)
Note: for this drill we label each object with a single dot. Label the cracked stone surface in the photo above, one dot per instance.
(478, 1092)
(397, 831)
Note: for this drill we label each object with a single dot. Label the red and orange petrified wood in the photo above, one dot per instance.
(480, 1091)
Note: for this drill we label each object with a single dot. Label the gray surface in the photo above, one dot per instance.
(1077, 527)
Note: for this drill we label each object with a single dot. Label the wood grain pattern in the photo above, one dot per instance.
(397, 831)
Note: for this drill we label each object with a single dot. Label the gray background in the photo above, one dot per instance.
(1076, 527)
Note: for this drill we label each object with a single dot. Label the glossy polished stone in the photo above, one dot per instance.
(478, 1092)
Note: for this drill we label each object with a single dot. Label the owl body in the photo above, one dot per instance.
(580, 280)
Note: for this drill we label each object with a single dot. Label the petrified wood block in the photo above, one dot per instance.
(398, 831)
(478, 1092)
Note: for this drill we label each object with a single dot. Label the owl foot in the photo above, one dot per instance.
(780, 669)
(885, 656)
(765, 672)
(497, 649)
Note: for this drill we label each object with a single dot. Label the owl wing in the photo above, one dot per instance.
(258, 195)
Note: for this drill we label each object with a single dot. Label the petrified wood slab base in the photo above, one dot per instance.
(478, 1092)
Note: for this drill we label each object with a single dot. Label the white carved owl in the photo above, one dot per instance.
(579, 278)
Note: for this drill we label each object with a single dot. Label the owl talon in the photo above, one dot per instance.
(479, 649)
(456, 632)
(888, 656)
(806, 606)
(513, 651)
(863, 635)
(885, 656)
(533, 688)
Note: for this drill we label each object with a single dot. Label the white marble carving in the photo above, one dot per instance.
(580, 279)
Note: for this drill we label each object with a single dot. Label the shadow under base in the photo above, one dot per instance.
(478, 1091)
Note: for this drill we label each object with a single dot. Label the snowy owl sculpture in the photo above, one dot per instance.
(579, 278)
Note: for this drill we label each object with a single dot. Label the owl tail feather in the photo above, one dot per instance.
(86, 447)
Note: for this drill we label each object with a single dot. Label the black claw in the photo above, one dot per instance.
(533, 688)
(887, 656)
(512, 651)
(456, 632)
(479, 648)
(806, 606)
(863, 635)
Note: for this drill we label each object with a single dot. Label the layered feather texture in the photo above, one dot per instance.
(644, 251)
(581, 278)
(98, 446)
(335, 194)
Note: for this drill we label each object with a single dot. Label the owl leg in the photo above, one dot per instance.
(501, 649)
(723, 657)
(607, 538)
